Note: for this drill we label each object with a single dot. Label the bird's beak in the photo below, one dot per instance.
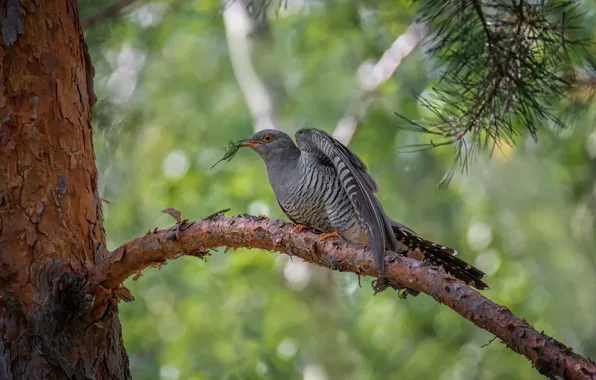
(249, 143)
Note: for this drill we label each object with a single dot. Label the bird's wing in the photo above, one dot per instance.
(403, 227)
(360, 187)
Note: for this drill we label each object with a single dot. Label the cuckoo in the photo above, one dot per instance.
(322, 186)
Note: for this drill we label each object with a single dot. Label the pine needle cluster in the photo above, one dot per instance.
(506, 66)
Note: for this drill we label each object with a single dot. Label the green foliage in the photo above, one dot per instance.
(504, 65)
(168, 102)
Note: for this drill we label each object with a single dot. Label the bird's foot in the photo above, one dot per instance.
(300, 227)
(329, 235)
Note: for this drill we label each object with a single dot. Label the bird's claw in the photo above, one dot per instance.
(326, 236)
(300, 227)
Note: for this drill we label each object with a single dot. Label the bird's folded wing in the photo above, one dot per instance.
(359, 186)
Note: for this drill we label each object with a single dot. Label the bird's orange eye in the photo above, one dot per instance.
(268, 138)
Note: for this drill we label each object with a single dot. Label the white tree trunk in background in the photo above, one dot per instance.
(371, 76)
(241, 31)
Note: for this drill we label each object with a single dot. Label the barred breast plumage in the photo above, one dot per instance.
(318, 200)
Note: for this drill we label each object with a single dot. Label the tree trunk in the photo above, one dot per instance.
(54, 323)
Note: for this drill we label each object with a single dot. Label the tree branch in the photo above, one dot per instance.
(377, 75)
(550, 357)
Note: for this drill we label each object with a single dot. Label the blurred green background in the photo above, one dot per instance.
(169, 100)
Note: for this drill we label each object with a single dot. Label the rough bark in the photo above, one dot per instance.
(51, 234)
(550, 357)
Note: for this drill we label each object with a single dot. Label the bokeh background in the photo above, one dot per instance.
(169, 100)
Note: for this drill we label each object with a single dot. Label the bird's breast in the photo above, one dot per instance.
(315, 197)
(301, 194)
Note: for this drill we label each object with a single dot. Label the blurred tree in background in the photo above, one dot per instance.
(169, 98)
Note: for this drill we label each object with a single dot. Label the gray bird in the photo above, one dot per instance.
(321, 185)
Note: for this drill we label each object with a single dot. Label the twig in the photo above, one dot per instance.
(550, 357)
(489, 342)
(379, 74)
(489, 38)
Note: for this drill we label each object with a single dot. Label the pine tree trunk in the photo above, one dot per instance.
(54, 324)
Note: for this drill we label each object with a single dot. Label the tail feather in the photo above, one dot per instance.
(442, 256)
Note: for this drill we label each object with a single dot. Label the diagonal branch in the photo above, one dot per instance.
(248, 36)
(550, 357)
(375, 77)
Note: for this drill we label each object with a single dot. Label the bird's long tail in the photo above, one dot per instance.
(441, 256)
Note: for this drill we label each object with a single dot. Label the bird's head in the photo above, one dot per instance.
(271, 144)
